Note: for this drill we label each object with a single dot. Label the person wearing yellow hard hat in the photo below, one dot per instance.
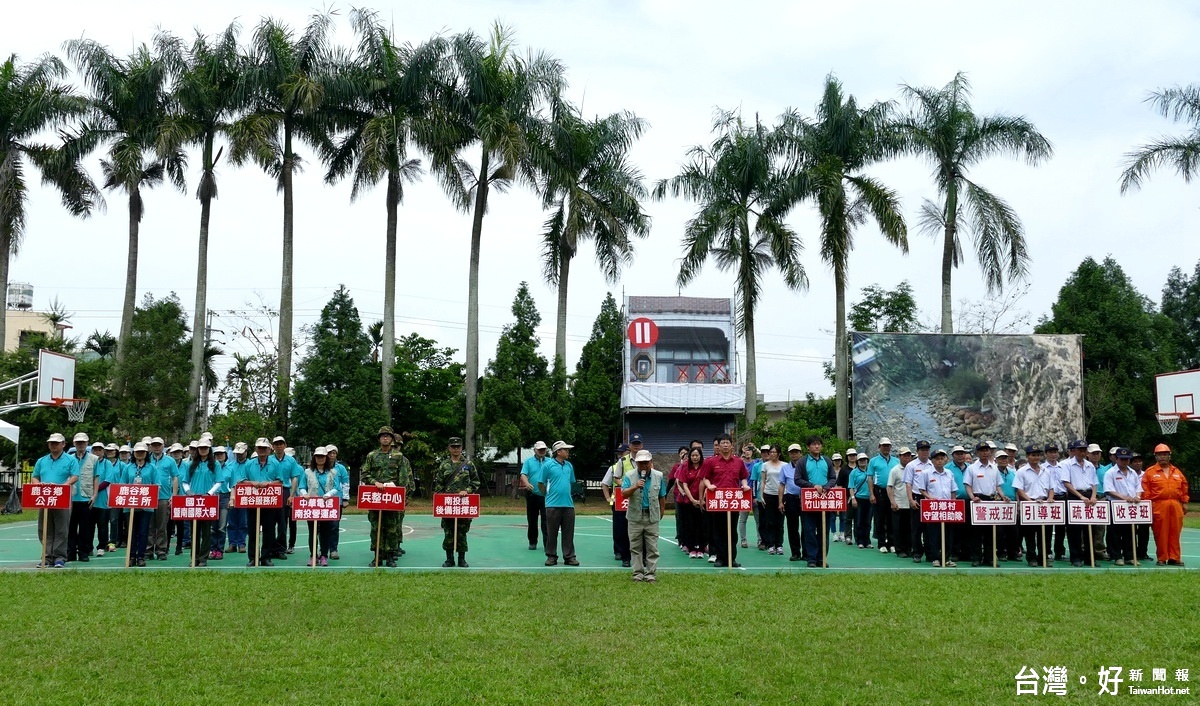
(1166, 487)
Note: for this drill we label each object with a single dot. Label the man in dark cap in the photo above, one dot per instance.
(456, 474)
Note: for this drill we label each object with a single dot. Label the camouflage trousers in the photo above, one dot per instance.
(464, 526)
(392, 534)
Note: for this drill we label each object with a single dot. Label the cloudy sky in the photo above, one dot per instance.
(1079, 70)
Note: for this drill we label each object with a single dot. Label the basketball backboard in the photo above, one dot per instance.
(56, 377)
(1178, 393)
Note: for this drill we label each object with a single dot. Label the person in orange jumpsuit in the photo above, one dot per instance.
(1166, 486)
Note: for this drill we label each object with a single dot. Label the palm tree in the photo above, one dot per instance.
(943, 128)
(33, 100)
(375, 333)
(595, 194)
(241, 374)
(380, 120)
(103, 344)
(743, 198)
(1182, 153)
(205, 98)
(493, 106)
(285, 80)
(830, 153)
(127, 108)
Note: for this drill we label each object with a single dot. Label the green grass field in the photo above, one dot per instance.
(582, 638)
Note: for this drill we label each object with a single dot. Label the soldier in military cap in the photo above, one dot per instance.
(383, 467)
(456, 475)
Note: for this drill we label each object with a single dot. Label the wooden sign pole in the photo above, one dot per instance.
(312, 533)
(455, 535)
(1091, 548)
(995, 561)
(943, 524)
(1133, 543)
(258, 534)
(194, 543)
(1045, 562)
(824, 546)
(46, 538)
(378, 538)
(729, 539)
(129, 541)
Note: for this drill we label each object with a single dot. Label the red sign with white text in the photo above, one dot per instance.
(372, 498)
(202, 508)
(989, 513)
(133, 496)
(46, 496)
(316, 508)
(815, 500)
(729, 500)
(1127, 513)
(620, 502)
(1080, 513)
(1048, 513)
(950, 511)
(265, 498)
(451, 505)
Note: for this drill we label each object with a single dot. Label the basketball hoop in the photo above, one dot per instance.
(76, 407)
(1169, 423)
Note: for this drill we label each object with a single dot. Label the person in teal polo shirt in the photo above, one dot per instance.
(860, 502)
(535, 500)
(167, 476)
(959, 461)
(261, 470)
(100, 499)
(289, 474)
(878, 471)
(203, 479)
(61, 469)
(558, 475)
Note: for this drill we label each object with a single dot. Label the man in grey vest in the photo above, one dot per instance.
(647, 494)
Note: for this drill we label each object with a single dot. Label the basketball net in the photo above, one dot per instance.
(1169, 423)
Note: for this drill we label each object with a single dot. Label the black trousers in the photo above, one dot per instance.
(916, 530)
(964, 545)
(722, 525)
(264, 529)
(1033, 541)
(901, 522)
(883, 518)
(862, 522)
(1120, 542)
(535, 517)
(1076, 537)
(621, 534)
(791, 513)
(772, 521)
(815, 543)
(80, 531)
(933, 539)
(283, 518)
(982, 545)
(323, 533)
(1060, 534)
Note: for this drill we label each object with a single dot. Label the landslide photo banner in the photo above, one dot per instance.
(966, 388)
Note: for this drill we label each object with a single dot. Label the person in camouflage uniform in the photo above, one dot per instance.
(455, 475)
(386, 465)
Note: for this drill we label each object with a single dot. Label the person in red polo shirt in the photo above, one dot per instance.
(724, 470)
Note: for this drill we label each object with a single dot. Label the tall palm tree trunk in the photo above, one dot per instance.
(751, 365)
(284, 380)
(841, 387)
(199, 324)
(5, 254)
(131, 263)
(560, 334)
(948, 256)
(473, 305)
(388, 344)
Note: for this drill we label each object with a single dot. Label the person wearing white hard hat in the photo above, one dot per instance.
(120, 518)
(878, 469)
(897, 492)
(81, 532)
(646, 491)
(260, 471)
(558, 475)
(851, 513)
(61, 469)
(535, 502)
(99, 503)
